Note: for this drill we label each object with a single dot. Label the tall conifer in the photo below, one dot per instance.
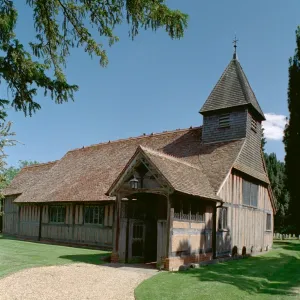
(292, 136)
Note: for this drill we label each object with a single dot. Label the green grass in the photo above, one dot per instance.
(274, 275)
(16, 255)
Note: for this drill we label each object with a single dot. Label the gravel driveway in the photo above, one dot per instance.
(76, 281)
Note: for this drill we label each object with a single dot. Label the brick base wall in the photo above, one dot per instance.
(114, 257)
(173, 263)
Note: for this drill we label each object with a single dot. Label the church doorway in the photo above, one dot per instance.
(145, 213)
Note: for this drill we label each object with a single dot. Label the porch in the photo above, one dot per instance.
(165, 212)
(166, 231)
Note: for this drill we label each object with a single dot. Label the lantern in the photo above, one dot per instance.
(134, 183)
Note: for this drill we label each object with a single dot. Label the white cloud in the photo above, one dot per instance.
(274, 126)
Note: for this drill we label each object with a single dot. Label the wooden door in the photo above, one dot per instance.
(136, 239)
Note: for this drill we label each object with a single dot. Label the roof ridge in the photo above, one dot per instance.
(136, 138)
(40, 164)
(168, 156)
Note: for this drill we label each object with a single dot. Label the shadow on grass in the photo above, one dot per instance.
(278, 275)
(94, 259)
(7, 237)
(292, 245)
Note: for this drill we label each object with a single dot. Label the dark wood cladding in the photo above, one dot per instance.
(212, 132)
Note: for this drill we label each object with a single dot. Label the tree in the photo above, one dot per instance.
(61, 25)
(292, 136)
(8, 174)
(277, 176)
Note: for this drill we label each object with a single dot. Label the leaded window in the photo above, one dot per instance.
(186, 210)
(94, 214)
(57, 214)
(222, 218)
(250, 193)
(269, 223)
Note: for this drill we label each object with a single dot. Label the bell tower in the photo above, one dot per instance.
(232, 111)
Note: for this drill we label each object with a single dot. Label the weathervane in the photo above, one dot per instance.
(235, 41)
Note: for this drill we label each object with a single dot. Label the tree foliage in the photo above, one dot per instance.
(292, 136)
(61, 25)
(277, 176)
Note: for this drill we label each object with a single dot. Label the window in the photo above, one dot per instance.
(253, 125)
(94, 214)
(269, 223)
(57, 214)
(222, 218)
(224, 121)
(250, 193)
(186, 210)
(197, 211)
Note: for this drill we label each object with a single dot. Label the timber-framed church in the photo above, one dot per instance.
(173, 198)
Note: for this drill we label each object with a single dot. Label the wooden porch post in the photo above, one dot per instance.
(214, 232)
(170, 216)
(40, 223)
(129, 206)
(115, 254)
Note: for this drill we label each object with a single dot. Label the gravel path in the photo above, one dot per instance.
(76, 281)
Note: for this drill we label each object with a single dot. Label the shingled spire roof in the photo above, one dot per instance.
(232, 89)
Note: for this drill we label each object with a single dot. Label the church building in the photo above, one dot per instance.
(174, 198)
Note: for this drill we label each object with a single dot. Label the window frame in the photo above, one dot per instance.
(196, 211)
(224, 120)
(253, 189)
(268, 222)
(60, 214)
(96, 212)
(223, 222)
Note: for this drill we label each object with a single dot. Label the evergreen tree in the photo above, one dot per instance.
(277, 176)
(61, 25)
(292, 136)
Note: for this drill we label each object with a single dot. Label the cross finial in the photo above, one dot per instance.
(235, 41)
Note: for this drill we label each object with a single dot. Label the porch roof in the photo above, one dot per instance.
(180, 175)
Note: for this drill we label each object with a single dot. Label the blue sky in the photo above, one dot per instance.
(154, 83)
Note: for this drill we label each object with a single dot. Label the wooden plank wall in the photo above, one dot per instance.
(25, 222)
(10, 218)
(75, 231)
(29, 220)
(246, 225)
(195, 237)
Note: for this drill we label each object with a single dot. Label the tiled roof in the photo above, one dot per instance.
(232, 89)
(27, 178)
(181, 175)
(86, 174)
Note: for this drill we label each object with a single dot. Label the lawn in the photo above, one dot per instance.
(17, 255)
(274, 275)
